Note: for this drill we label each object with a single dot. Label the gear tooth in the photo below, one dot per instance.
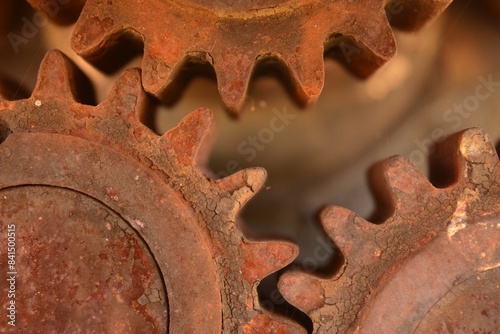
(233, 76)
(464, 157)
(159, 67)
(55, 77)
(190, 139)
(261, 259)
(371, 44)
(91, 32)
(338, 223)
(243, 184)
(378, 36)
(127, 96)
(476, 147)
(308, 71)
(398, 180)
(303, 291)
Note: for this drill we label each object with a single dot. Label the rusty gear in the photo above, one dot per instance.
(432, 267)
(118, 225)
(233, 36)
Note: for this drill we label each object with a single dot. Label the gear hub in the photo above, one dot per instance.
(120, 227)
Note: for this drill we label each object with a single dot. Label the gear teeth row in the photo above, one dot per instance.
(178, 157)
(421, 215)
(234, 40)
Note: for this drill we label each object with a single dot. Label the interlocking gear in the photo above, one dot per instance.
(117, 229)
(432, 267)
(234, 36)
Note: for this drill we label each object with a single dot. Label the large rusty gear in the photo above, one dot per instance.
(234, 36)
(120, 228)
(431, 267)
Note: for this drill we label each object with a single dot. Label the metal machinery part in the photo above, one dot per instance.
(171, 257)
(236, 36)
(119, 230)
(61, 11)
(431, 267)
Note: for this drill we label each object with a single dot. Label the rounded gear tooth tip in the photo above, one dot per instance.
(233, 79)
(90, 32)
(302, 290)
(244, 184)
(337, 222)
(307, 73)
(255, 177)
(261, 259)
(476, 146)
(157, 75)
(374, 33)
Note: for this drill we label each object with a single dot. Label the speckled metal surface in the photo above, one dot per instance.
(167, 242)
(234, 36)
(429, 265)
(120, 220)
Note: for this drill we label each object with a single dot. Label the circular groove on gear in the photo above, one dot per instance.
(94, 273)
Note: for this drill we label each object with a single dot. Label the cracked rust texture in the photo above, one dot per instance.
(433, 242)
(157, 185)
(235, 36)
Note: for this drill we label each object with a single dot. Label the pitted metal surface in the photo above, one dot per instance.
(433, 250)
(93, 187)
(233, 37)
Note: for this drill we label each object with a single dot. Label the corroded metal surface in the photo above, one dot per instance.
(60, 11)
(91, 187)
(234, 36)
(431, 266)
(80, 267)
